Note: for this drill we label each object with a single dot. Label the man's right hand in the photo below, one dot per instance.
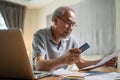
(73, 56)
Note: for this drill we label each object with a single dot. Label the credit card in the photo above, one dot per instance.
(84, 47)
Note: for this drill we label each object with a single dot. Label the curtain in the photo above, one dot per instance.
(96, 26)
(13, 14)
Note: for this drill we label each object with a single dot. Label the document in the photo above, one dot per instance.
(66, 73)
(104, 60)
(89, 75)
(104, 76)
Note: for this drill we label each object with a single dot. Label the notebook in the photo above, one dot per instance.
(14, 60)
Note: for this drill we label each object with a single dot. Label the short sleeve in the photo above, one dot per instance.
(38, 46)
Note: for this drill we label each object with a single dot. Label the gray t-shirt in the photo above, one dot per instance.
(44, 44)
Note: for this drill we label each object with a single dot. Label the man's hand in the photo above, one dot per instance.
(112, 62)
(73, 56)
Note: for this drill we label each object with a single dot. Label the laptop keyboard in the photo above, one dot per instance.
(39, 74)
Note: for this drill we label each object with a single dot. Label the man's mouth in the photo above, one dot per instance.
(67, 33)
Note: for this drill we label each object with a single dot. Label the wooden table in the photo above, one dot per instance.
(101, 69)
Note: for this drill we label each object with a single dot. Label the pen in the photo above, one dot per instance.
(75, 77)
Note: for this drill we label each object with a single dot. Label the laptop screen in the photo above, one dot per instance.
(14, 61)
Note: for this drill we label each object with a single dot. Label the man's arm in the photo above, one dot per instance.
(47, 65)
(72, 56)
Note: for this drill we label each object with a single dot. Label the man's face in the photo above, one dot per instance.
(65, 24)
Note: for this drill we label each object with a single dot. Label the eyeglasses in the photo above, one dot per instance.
(69, 23)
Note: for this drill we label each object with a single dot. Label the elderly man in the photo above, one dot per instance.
(54, 48)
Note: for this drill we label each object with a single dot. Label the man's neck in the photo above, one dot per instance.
(55, 35)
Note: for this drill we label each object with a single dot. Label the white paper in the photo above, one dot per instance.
(104, 76)
(61, 71)
(104, 60)
(64, 72)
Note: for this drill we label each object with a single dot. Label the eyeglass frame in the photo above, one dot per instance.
(67, 22)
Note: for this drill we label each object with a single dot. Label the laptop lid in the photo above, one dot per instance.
(14, 61)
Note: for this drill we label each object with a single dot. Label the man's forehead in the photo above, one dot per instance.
(71, 16)
(69, 13)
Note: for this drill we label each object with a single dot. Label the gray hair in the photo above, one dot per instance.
(60, 11)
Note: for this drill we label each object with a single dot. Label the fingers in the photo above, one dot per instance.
(74, 55)
(115, 58)
(112, 62)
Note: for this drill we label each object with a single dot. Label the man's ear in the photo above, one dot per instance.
(55, 20)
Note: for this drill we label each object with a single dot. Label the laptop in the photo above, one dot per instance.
(14, 60)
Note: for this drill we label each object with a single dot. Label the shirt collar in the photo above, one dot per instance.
(50, 37)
